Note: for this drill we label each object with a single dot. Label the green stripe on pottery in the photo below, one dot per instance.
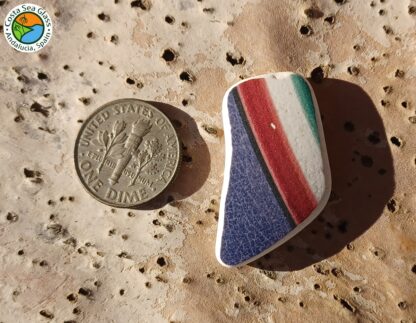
(304, 96)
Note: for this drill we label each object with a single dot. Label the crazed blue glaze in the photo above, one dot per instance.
(255, 219)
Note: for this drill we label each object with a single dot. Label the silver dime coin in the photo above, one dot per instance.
(126, 153)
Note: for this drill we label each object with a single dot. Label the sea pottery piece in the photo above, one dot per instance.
(277, 177)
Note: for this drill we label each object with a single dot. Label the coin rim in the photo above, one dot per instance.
(76, 163)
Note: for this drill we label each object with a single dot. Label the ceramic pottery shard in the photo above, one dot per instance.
(277, 177)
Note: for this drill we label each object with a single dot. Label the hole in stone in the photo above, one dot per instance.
(142, 4)
(82, 250)
(234, 59)
(212, 130)
(347, 305)
(184, 102)
(385, 103)
(208, 10)
(404, 104)
(170, 19)
(391, 205)
(72, 297)
(124, 254)
(187, 280)
(330, 20)
(31, 173)
(353, 70)
(169, 55)
(36, 107)
(85, 292)
(114, 39)
(85, 101)
(317, 74)
(43, 263)
(161, 261)
(139, 85)
(388, 30)
(42, 76)
(130, 81)
(306, 30)
(402, 305)
(90, 34)
(317, 286)
(76, 311)
(102, 16)
(340, 2)
(47, 314)
(21, 252)
(187, 77)
(121, 291)
(12, 217)
(387, 89)
(396, 141)
(399, 73)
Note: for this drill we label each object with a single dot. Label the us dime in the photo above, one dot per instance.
(126, 153)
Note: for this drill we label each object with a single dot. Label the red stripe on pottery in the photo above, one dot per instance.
(275, 149)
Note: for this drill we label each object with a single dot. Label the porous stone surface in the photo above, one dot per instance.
(64, 257)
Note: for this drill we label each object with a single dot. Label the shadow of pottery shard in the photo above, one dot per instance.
(277, 177)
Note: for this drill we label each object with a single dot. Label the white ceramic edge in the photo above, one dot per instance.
(227, 167)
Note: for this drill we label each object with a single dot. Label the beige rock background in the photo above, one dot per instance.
(64, 257)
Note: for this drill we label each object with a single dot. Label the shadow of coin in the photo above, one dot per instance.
(362, 178)
(195, 165)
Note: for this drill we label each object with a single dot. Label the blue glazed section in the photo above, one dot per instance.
(253, 218)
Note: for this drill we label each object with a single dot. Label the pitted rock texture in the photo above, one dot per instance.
(64, 257)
